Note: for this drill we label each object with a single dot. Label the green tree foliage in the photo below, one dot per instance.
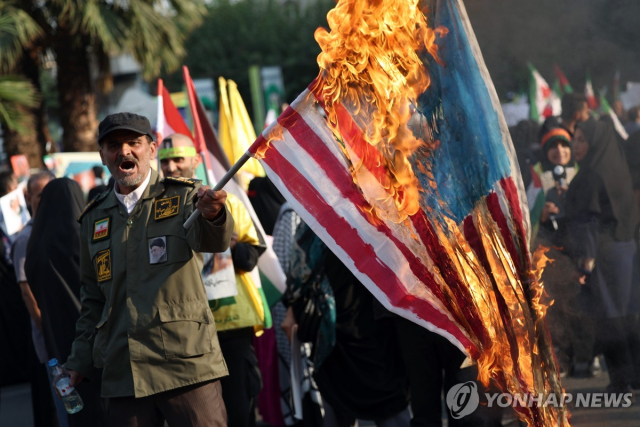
(236, 35)
(17, 95)
(81, 33)
(18, 31)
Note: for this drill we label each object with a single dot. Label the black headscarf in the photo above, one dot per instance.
(266, 201)
(603, 185)
(525, 141)
(52, 263)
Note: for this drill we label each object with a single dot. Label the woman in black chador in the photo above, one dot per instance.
(603, 219)
(53, 272)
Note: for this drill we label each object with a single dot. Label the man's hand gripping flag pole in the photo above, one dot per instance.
(223, 181)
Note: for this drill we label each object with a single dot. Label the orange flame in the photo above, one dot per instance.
(370, 65)
(540, 299)
(276, 133)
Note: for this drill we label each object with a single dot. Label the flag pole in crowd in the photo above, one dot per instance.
(198, 140)
(220, 185)
(223, 173)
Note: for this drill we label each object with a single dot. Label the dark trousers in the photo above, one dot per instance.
(240, 389)
(433, 364)
(616, 342)
(198, 405)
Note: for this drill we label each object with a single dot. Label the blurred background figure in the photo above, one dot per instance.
(284, 235)
(571, 330)
(575, 109)
(633, 121)
(356, 357)
(266, 201)
(101, 185)
(527, 145)
(603, 220)
(14, 319)
(42, 393)
(53, 273)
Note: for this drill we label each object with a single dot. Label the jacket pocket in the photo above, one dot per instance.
(100, 343)
(176, 250)
(187, 330)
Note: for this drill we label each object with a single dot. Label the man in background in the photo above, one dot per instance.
(14, 320)
(40, 380)
(178, 158)
(633, 125)
(575, 109)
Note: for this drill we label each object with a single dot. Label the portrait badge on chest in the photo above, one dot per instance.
(166, 208)
(158, 250)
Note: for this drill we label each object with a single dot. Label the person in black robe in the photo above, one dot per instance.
(603, 219)
(53, 272)
(526, 143)
(266, 201)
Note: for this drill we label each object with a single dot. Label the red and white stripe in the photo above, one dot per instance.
(402, 264)
(169, 119)
(384, 257)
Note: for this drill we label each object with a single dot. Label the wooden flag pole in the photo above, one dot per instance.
(223, 181)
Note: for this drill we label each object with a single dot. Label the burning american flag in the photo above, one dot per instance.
(399, 158)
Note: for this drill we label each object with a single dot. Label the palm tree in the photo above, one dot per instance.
(81, 33)
(21, 111)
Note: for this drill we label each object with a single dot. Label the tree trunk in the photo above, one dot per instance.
(77, 98)
(31, 69)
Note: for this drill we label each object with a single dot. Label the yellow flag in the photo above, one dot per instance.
(236, 131)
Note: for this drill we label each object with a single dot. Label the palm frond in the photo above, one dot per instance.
(156, 39)
(17, 96)
(101, 22)
(18, 31)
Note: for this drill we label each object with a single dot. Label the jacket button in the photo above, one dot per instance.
(129, 222)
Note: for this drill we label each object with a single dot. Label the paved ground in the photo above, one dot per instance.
(15, 407)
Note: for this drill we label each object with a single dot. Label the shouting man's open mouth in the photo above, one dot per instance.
(128, 166)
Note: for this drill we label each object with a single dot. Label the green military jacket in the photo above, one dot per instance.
(145, 318)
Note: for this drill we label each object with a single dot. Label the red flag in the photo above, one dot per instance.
(169, 119)
(205, 134)
(564, 82)
(590, 93)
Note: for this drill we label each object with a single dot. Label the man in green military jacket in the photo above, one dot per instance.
(145, 318)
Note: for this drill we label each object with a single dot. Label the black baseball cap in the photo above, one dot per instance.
(128, 121)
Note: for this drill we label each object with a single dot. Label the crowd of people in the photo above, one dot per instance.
(582, 189)
(152, 330)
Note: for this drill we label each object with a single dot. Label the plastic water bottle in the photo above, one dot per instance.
(70, 397)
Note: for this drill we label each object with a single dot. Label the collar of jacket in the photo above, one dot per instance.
(154, 189)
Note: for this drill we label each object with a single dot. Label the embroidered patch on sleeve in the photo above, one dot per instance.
(101, 229)
(103, 265)
(166, 208)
